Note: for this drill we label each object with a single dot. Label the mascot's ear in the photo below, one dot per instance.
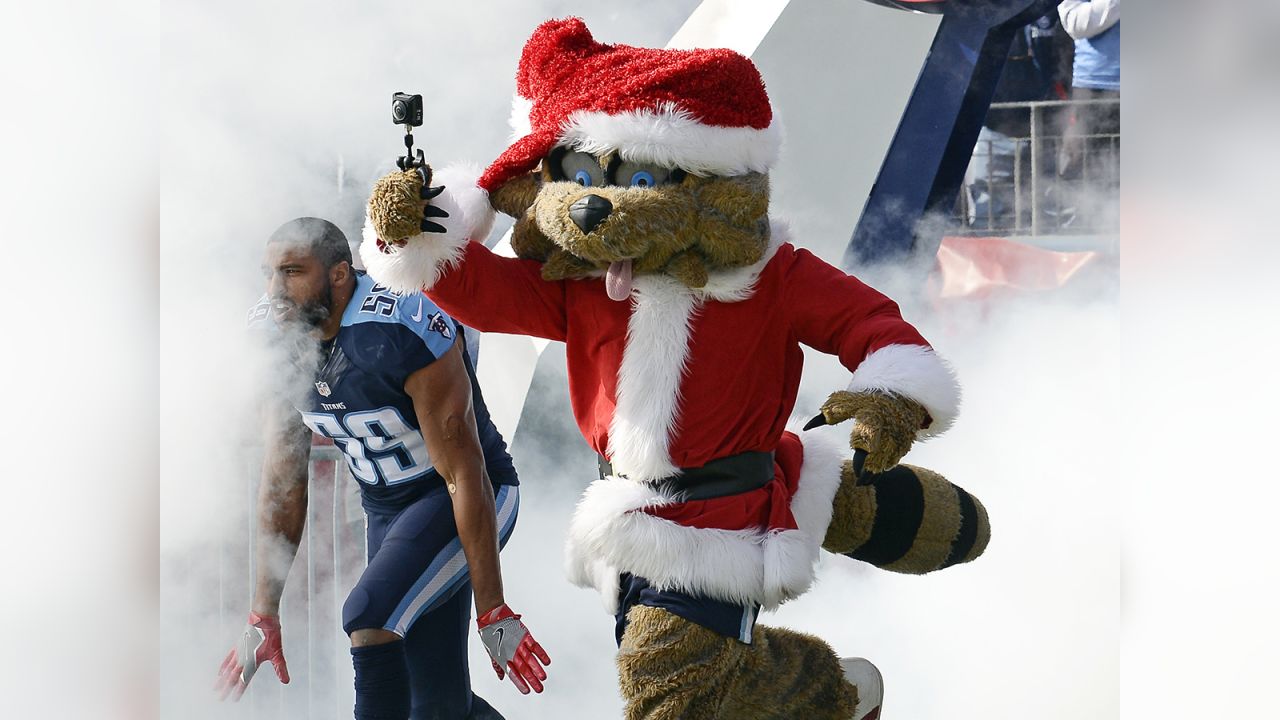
(516, 195)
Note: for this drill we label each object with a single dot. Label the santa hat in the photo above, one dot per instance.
(705, 111)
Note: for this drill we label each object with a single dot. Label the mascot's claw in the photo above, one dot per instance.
(396, 207)
(885, 424)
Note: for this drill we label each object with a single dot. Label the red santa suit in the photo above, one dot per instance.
(674, 378)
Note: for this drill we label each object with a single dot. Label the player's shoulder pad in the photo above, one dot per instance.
(416, 312)
(412, 311)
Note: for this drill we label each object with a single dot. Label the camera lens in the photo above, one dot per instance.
(399, 110)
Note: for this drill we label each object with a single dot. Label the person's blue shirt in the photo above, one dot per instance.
(357, 396)
(1097, 61)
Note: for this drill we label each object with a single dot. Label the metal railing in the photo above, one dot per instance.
(1052, 180)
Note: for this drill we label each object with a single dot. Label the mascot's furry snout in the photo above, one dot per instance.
(589, 211)
(684, 228)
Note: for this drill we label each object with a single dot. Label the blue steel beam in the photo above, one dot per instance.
(926, 162)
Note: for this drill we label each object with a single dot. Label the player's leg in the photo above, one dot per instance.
(437, 640)
(418, 566)
(378, 655)
(436, 648)
(410, 553)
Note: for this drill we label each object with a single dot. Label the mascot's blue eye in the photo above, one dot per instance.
(583, 178)
(640, 175)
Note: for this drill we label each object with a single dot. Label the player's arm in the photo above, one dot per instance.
(441, 395)
(282, 512)
(282, 504)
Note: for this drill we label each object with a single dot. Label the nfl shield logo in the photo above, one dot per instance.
(323, 389)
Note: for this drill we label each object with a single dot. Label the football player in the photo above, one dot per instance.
(390, 380)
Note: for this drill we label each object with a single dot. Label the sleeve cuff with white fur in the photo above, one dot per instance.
(917, 372)
(426, 257)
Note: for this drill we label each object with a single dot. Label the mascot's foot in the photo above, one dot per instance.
(907, 519)
(866, 677)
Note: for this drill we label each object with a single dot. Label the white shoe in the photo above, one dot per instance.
(866, 677)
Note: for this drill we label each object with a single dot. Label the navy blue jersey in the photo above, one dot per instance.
(358, 399)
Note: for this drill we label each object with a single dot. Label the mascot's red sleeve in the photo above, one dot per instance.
(502, 294)
(840, 315)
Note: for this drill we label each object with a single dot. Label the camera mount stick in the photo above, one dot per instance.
(411, 160)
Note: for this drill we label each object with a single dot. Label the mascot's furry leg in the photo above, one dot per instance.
(898, 517)
(906, 519)
(671, 668)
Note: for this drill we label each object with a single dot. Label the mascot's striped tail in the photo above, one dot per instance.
(906, 519)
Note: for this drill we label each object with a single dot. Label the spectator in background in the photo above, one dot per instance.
(1038, 68)
(1095, 27)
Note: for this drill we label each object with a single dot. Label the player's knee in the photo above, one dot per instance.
(364, 637)
(359, 623)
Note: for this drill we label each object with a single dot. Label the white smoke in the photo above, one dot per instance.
(313, 105)
(1082, 422)
(284, 111)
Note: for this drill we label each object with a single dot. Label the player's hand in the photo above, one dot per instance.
(885, 424)
(400, 207)
(259, 643)
(512, 650)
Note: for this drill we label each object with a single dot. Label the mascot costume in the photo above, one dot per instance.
(639, 183)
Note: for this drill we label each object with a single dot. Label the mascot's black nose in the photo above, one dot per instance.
(589, 211)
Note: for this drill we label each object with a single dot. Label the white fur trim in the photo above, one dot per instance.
(609, 535)
(825, 451)
(653, 364)
(420, 262)
(917, 372)
(672, 137)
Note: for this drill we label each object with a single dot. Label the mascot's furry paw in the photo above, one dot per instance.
(885, 424)
(909, 520)
(396, 208)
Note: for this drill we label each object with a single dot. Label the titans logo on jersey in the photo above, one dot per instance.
(358, 400)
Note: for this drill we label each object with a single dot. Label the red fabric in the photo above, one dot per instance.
(828, 304)
(768, 508)
(563, 70)
(744, 361)
(971, 267)
(515, 298)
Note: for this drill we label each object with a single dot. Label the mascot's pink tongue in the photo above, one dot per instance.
(617, 281)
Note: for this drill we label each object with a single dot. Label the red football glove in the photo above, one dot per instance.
(260, 642)
(511, 647)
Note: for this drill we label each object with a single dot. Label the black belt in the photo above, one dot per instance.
(729, 475)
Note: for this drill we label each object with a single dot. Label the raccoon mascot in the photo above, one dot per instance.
(639, 183)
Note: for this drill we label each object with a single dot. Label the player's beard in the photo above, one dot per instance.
(314, 313)
(311, 314)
